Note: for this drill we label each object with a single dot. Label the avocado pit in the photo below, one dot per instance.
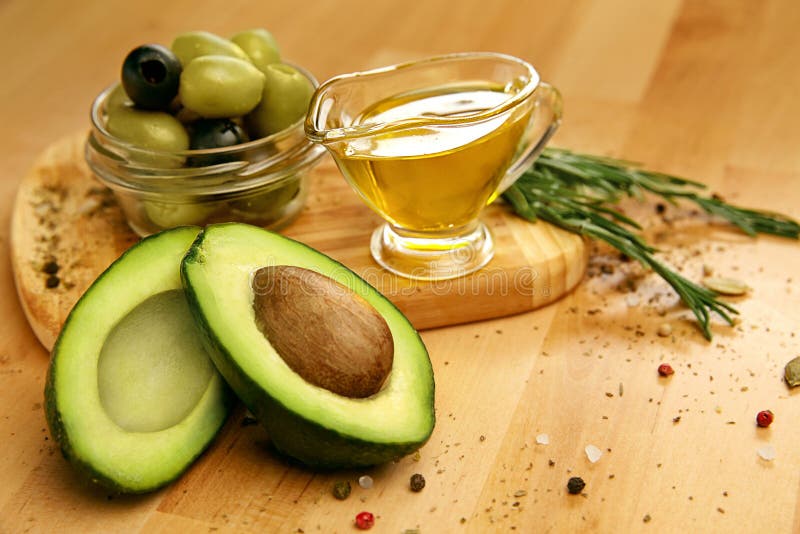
(323, 331)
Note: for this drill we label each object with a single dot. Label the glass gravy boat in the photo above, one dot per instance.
(429, 144)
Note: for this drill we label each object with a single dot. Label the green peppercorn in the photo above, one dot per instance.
(575, 485)
(341, 490)
(417, 482)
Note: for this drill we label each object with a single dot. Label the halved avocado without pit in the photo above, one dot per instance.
(305, 421)
(132, 397)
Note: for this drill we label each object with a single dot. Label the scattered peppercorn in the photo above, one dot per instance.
(575, 485)
(665, 369)
(765, 418)
(664, 330)
(51, 267)
(365, 520)
(52, 281)
(417, 482)
(341, 490)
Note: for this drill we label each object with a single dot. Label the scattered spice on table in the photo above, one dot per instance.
(764, 418)
(341, 490)
(365, 520)
(665, 369)
(50, 267)
(665, 330)
(593, 453)
(575, 485)
(767, 453)
(417, 482)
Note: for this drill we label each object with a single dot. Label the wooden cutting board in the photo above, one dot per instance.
(63, 216)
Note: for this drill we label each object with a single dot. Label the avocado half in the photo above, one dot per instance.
(132, 397)
(306, 422)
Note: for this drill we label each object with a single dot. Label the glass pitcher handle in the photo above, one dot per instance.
(545, 118)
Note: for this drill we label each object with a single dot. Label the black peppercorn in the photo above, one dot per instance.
(417, 482)
(575, 485)
(51, 267)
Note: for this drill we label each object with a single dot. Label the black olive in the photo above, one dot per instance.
(151, 75)
(214, 133)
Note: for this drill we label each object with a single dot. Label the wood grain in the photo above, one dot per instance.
(705, 89)
(63, 215)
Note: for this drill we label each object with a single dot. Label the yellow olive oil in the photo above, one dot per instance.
(433, 176)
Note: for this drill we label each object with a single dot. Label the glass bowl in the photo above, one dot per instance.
(262, 182)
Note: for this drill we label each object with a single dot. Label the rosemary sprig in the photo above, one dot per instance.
(616, 178)
(578, 192)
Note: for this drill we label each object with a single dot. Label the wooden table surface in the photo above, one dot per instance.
(707, 90)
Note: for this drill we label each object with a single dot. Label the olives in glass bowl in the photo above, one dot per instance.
(218, 155)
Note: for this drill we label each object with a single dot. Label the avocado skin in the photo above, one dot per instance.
(56, 425)
(85, 469)
(309, 442)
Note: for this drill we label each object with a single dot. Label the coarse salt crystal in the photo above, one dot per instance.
(593, 453)
(543, 439)
(767, 452)
(632, 300)
(365, 481)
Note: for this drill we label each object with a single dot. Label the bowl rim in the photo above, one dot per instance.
(98, 128)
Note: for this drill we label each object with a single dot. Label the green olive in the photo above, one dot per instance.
(190, 45)
(285, 100)
(169, 214)
(118, 98)
(151, 130)
(217, 87)
(267, 206)
(260, 46)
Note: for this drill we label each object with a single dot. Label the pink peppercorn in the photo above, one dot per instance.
(365, 520)
(765, 418)
(665, 369)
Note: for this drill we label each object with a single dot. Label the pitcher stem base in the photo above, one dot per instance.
(432, 258)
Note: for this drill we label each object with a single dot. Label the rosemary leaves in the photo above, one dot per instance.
(578, 192)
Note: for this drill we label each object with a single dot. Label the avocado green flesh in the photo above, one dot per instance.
(157, 349)
(95, 379)
(309, 423)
